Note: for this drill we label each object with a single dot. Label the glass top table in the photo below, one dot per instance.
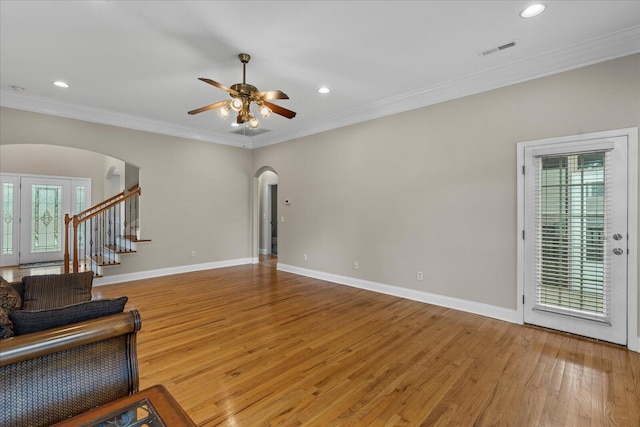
(139, 414)
(153, 407)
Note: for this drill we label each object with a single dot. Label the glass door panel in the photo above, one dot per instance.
(9, 223)
(46, 200)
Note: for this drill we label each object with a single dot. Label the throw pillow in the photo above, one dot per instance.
(6, 327)
(9, 298)
(25, 322)
(56, 290)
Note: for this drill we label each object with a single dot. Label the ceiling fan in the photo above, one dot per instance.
(242, 95)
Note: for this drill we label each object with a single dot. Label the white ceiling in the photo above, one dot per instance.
(136, 63)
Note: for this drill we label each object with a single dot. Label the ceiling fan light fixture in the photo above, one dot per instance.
(236, 104)
(223, 112)
(264, 111)
(253, 123)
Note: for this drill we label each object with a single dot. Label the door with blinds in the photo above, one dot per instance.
(575, 237)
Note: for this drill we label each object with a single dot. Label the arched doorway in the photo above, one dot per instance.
(266, 215)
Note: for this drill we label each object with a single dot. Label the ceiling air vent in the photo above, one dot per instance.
(497, 49)
(246, 131)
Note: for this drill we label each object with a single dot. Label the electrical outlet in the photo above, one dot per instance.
(304, 257)
(355, 265)
(193, 254)
(419, 275)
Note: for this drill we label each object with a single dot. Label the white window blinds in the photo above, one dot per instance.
(572, 208)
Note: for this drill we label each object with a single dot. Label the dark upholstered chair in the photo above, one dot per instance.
(51, 375)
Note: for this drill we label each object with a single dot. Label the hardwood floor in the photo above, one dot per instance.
(14, 273)
(252, 346)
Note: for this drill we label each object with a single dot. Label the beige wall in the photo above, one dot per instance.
(39, 159)
(196, 195)
(434, 189)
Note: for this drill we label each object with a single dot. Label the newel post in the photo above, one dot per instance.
(67, 220)
(75, 244)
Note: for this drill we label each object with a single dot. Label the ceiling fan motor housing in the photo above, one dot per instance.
(244, 88)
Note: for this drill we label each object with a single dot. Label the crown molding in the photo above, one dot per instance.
(587, 52)
(112, 118)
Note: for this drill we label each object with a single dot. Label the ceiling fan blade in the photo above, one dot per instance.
(271, 94)
(218, 85)
(279, 110)
(208, 107)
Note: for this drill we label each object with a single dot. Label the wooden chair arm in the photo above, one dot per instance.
(29, 346)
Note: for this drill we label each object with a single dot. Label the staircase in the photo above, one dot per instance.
(103, 233)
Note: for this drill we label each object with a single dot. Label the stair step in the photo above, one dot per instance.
(101, 262)
(134, 239)
(119, 249)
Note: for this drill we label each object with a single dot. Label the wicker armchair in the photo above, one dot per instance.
(48, 376)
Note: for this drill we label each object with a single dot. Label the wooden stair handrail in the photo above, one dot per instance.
(77, 220)
(110, 202)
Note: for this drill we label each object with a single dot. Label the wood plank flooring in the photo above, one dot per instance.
(252, 346)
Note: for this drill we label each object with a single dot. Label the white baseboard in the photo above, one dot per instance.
(486, 310)
(107, 280)
(263, 251)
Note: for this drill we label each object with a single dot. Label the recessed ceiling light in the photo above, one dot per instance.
(60, 83)
(533, 10)
(324, 90)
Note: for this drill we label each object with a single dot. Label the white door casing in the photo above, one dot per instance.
(18, 225)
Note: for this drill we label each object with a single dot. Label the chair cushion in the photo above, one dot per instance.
(6, 326)
(9, 298)
(25, 322)
(56, 290)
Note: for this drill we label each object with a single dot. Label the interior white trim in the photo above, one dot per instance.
(112, 118)
(119, 278)
(633, 338)
(486, 310)
(586, 52)
(632, 202)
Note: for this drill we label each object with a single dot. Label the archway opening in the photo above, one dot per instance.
(266, 222)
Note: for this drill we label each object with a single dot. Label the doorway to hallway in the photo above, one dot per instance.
(267, 211)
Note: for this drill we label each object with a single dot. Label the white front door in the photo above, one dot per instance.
(575, 237)
(44, 202)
